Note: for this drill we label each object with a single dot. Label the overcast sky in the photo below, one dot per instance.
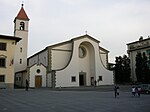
(113, 22)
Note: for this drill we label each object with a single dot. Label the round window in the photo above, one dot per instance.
(82, 52)
(38, 71)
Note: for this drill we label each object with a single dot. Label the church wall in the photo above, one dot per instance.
(101, 70)
(33, 73)
(63, 77)
(49, 80)
(60, 59)
(33, 60)
(64, 46)
(43, 57)
(60, 56)
(39, 58)
(104, 59)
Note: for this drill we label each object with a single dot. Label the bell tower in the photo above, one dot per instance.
(21, 23)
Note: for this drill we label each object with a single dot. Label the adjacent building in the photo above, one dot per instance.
(140, 46)
(7, 55)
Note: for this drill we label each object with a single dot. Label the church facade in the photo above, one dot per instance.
(77, 62)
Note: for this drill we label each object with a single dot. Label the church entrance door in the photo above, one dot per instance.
(82, 79)
(38, 81)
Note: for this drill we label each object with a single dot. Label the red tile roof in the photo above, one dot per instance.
(22, 14)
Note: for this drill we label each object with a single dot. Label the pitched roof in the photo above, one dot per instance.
(86, 36)
(10, 37)
(22, 14)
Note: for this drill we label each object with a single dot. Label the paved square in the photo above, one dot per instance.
(45, 100)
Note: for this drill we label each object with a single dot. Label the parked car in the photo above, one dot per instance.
(145, 88)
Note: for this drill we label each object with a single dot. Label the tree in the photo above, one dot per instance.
(122, 69)
(142, 68)
(138, 69)
(126, 69)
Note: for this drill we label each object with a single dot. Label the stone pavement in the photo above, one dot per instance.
(46, 100)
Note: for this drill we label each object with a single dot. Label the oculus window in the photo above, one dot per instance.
(38, 70)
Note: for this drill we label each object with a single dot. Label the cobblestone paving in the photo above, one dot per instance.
(45, 100)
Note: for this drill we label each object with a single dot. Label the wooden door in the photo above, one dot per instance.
(38, 81)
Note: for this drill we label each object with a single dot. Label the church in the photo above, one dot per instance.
(80, 61)
(77, 62)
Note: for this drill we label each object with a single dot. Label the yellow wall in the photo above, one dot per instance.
(8, 71)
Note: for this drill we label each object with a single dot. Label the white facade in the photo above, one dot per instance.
(84, 69)
(78, 62)
(38, 74)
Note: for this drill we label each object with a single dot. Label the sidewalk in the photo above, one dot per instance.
(103, 88)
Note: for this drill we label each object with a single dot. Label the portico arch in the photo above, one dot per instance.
(87, 63)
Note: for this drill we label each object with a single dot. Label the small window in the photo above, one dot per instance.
(21, 49)
(73, 79)
(22, 25)
(20, 61)
(2, 78)
(2, 62)
(100, 78)
(3, 46)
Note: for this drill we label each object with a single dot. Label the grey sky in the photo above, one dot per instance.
(113, 22)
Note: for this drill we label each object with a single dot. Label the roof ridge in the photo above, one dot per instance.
(22, 14)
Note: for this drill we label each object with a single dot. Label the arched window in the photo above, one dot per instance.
(2, 61)
(22, 25)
